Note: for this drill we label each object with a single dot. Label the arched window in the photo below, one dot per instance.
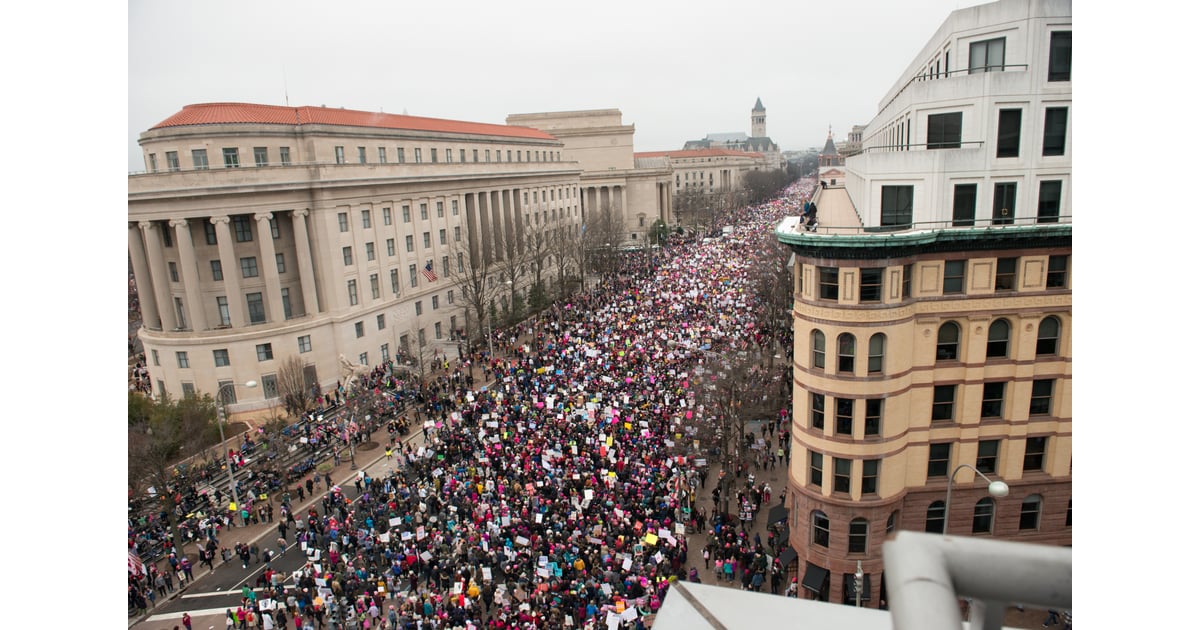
(935, 517)
(893, 519)
(846, 352)
(820, 529)
(818, 349)
(875, 353)
(1031, 512)
(1047, 341)
(985, 510)
(858, 535)
(997, 345)
(947, 343)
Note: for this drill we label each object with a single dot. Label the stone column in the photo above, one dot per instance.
(501, 247)
(518, 217)
(308, 283)
(141, 275)
(158, 275)
(191, 275)
(485, 227)
(266, 247)
(230, 271)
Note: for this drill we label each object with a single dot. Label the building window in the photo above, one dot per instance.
(391, 247)
(231, 157)
(1008, 134)
(241, 229)
(249, 267)
(896, 206)
(424, 211)
(417, 305)
(828, 282)
(1031, 512)
(363, 358)
(858, 535)
(817, 349)
(221, 358)
(370, 247)
(870, 476)
(874, 416)
(426, 240)
(1035, 453)
(844, 414)
(339, 155)
(400, 155)
(462, 155)
(433, 155)
(285, 156)
(374, 280)
(343, 222)
(173, 271)
(1006, 274)
(1069, 512)
(943, 403)
(906, 283)
(380, 322)
(820, 529)
(1056, 272)
(816, 468)
(172, 161)
(366, 219)
(952, 276)
(1041, 397)
(260, 156)
(841, 475)
(285, 296)
(395, 273)
(816, 416)
(223, 310)
(1054, 132)
(412, 276)
(358, 330)
(441, 209)
(408, 243)
(870, 285)
(352, 291)
(846, 347)
(445, 265)
(964, 205)
(154, 357)
(891, 522)
(437, 330)
(450, 300)
(305, 343)
(985, 508)
(1048, 332)
(210, 233)
(944, 131)
(417, 156)
(1049, 201)
(992, 404)
(442, 236)
(200, 159)
(270, 386)
(264, 351)
(434, 302)
(406, 214)
(1060, 56)
(454, 208)
(875, 353)
(279, 263)
(182, 359)
(1004, 203)
(387, 216)
(254, 304)
(939, 460)
(987, 56)
(935, 518)
(947, 342)
(347, 255)
(997, 345)
(985, 458)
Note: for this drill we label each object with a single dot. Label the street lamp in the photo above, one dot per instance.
(221, 427)
(858, 585)
(996, 488)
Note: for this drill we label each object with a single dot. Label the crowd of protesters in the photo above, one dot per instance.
(553, 497)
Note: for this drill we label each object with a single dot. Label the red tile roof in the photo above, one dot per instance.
(697, 153)
(250, 113)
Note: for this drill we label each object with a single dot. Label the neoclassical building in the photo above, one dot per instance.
(260, 232)
(932, 308)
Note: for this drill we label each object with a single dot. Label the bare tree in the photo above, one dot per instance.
(538, 253)
(602, 235)
(475, 280)
(297, 397)
(510, 268)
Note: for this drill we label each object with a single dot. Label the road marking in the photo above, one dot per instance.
(194, 613)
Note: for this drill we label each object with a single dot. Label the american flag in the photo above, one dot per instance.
(428, 271)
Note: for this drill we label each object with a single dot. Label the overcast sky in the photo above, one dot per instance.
(676, 70)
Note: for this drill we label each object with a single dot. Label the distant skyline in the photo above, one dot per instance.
(677, 71)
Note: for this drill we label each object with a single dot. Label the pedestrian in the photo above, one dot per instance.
(187, 621)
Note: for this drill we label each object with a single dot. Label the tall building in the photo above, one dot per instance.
(757, 142)
(932, 307)
(260, 232)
